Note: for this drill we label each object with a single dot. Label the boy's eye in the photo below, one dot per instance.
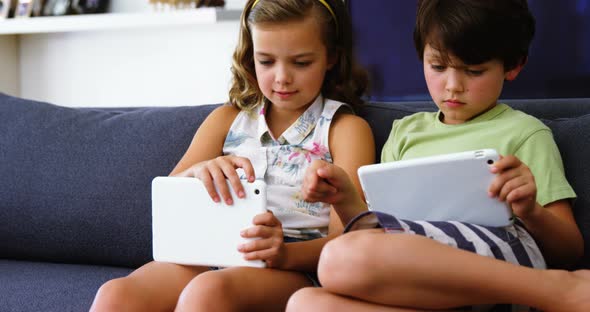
(474, 72)
(302, 63)
(438, 68)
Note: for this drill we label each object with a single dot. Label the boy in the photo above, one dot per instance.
(468, 48)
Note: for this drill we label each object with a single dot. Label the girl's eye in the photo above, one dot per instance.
(265, 62)
(438, 68)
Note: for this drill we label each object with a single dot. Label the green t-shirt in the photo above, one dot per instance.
(508, 131)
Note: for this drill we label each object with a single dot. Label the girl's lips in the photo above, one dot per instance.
(285, 94)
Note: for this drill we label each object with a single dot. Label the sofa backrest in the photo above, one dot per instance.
(75, 184)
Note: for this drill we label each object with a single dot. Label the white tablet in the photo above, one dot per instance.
(189, 228)
(451, 187)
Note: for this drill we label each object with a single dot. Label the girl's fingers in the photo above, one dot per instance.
(246, 165)
(258, 231)
(261, 254)
(209, 186)
(260, 244)
(266, 219)
(220, 183)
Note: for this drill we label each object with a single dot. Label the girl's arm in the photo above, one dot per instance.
(204, 159)
(208, 141)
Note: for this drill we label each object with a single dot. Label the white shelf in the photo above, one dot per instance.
(74, 23)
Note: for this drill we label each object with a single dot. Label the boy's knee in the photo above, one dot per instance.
(206, 292)
(350, 261)
(345, 259)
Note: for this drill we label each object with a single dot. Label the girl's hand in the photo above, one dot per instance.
(270, 246)
(327, 183)
(514, 184)
(214, 173)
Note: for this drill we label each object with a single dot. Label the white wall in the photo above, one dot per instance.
(151, 66)
(175, 65)
(143, 5)
(9, 65)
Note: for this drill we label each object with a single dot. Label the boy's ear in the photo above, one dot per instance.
(513, 73)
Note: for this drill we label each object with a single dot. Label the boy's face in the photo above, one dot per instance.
(463, 92)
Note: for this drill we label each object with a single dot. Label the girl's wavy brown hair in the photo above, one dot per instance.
(346, 81)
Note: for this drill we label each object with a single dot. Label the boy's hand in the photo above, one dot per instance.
(270, 247)
(327, 183)
(514, 184)
(214, 172)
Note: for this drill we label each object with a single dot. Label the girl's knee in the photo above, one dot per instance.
(305, 299)
(115, 295)
(206, 292)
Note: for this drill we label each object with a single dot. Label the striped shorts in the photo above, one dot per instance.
(512, 243)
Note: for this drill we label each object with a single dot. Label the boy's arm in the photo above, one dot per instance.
(554, 229)
(351, 145)
(552, 226)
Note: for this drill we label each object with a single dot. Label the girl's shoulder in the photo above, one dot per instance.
(225, 113)
(221, 118)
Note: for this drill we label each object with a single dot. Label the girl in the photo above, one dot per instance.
(293, 68)
(468, 49)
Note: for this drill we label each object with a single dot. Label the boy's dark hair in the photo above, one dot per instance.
(475, 31)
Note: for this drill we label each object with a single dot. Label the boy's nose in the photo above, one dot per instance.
(454, 81)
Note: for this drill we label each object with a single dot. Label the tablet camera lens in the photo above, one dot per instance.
(490, 161)
(256, 191)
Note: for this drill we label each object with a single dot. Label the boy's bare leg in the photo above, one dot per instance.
(405, 270)
(318, 299)
(241, 289)
(155, 286)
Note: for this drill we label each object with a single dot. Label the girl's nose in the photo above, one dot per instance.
(283, 75)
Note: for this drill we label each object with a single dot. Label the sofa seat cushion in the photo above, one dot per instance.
(36, 286)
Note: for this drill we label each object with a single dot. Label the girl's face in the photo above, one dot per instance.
(463, 92)
(291, 61)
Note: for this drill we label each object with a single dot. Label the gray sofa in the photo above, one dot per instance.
(75, 187)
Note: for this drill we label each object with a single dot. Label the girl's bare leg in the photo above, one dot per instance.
(241, 289)
(413, 271)
(155, 286)
(318, 299)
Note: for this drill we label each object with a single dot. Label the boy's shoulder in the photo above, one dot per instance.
(523, 119)
(416, 119)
